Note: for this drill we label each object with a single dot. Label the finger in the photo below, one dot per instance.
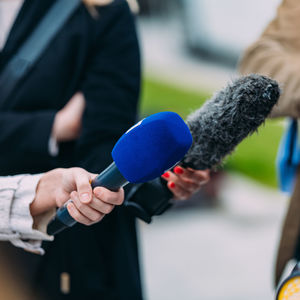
(166, 176)
(183, 183)
(76, 215)
(198, 177)
(177, 191)
(185, 179)
(202, 175)
(85, 209)
(101, 206)
(110, 197)
(82, 180)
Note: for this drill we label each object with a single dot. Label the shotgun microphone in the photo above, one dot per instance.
(143, 153)
(230, 116)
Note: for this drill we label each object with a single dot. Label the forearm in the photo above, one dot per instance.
(46, 193)
(16, 222)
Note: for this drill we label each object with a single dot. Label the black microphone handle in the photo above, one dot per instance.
(111, 178)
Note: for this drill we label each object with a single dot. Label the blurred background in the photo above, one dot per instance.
(222, 243)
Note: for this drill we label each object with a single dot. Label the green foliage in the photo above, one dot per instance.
(157, 96)
(254, 157)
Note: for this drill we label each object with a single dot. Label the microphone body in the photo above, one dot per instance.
(143, 153)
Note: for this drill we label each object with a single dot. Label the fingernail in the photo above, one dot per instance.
(85, 197)
(178, 170)
(166, 175)
(172, 185)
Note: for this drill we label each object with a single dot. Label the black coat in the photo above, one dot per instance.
(99, 57)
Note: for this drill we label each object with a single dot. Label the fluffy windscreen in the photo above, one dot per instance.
(226, 119)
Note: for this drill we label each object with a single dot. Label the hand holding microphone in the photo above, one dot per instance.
(143, 153)
(88, 206)
(59, 185)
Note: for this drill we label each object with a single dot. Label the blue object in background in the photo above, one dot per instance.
(288, 157)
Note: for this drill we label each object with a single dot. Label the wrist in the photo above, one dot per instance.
(45, 199)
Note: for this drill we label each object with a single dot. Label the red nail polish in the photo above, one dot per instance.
(172, 185)
(178, 170)
(166, 175)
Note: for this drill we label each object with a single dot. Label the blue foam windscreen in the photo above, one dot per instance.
(152, 146)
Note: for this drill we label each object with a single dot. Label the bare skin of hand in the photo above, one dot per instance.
(184, 182)
(67, 122)
(87, 207)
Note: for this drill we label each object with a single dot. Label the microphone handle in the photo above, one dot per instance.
(111, 178)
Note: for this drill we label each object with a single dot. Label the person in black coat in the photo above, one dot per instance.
(95, 62)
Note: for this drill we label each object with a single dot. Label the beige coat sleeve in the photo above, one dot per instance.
(16, 222)
(277, 54)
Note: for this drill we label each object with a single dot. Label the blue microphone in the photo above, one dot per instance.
(143, 153)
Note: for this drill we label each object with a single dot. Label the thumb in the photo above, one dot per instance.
(83, 186)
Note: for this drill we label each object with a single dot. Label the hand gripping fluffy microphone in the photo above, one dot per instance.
(143, 153)
(229, 117)
(217, 128)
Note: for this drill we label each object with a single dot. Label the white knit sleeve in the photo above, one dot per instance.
(16, 222)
